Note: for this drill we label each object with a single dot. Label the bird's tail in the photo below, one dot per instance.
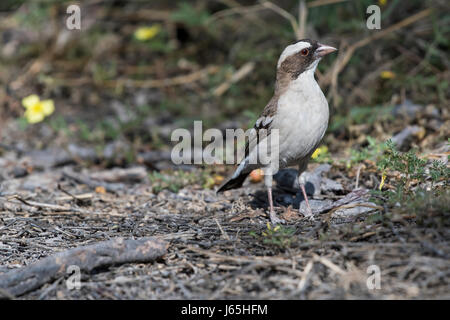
(233, 183)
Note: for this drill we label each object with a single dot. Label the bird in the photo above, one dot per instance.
(297, 115)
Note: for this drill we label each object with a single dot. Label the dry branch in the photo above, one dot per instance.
(48, 206)
(284, 14)
(237, 76)
(134, 174)
(245, 10)
(302, 17)
(161, 83)
(345, 56)
(110, 187)
(145, 84)
(87, 258)
(319, 3)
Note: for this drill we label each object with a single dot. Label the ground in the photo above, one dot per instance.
(220, 246)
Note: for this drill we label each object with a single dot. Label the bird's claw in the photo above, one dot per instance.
(307, 214)
(275, 220)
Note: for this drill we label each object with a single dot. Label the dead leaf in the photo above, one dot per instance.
(100, 189)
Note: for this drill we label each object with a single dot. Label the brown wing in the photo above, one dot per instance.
(243, 170)
(264, 122)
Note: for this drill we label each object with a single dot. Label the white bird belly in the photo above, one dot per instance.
(302, 119)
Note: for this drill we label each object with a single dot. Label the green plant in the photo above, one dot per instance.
(407, 164)
(410, 167)
(372, 152)
(408, 175)
(438, 171)
(189, 15)
(279, 236)
(58, 124)
(174, 183)
(361, 115)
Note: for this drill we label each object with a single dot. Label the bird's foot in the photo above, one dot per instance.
(307, 213)
(275, 220)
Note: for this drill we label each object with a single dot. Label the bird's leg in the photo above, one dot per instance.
(273, 217)
(269, 196)
(308, 207)
(309, 212)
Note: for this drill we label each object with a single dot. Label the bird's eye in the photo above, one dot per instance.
(304, 52)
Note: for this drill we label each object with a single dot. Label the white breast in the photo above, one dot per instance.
(302, 118)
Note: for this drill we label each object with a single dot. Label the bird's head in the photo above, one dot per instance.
(302, 56)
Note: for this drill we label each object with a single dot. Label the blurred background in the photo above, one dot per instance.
(136, 70)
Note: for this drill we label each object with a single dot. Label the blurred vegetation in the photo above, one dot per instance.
(198, 33)
(278, 236)
(176, 180)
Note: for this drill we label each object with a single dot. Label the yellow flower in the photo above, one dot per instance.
(387, 75)
(37, 110)
(382, 2)
(383, 177)
(218, 179)
(321, 150)
(147, 33)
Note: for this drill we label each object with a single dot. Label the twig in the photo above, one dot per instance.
(302, 16)
(133, 174)
(345, 57)
(237, 76)
(146, 84)
(50, 288)
(87, 258)
(303, 280)
(238, 9)
(160, 83)
(82, 197)
(284, 14)
(225, 235)
(241, 259)
(329, 264)
(365, 235)
(244, 10)
(111, 187)
(78, 200)
(357, 176)
(418, 60)
(53, 207)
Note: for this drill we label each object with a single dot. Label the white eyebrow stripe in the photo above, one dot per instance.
(292, 49)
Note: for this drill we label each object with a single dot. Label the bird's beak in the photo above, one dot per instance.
(323, 50)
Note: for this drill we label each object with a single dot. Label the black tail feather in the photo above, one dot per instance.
(233, 183)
